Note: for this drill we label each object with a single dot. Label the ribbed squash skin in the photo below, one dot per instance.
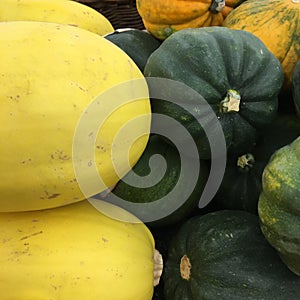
(50, 74)
(74, 252)
(212, 61)
(241, 184)
(57, 11)
(296, 87)
(229, 259)
(162, 18)
(279, 204)
(277, 24)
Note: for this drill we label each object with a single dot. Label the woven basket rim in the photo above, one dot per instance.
(121, 13)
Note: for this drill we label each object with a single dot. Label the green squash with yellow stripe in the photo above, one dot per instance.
(279, 204)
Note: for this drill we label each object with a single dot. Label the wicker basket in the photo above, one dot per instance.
(120, 13)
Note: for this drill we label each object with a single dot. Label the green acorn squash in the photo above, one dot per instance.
(224, 255)
(279, 203)
(241, 184)
(138, 44)
(232, 70)
(186, 198)
(296, 87)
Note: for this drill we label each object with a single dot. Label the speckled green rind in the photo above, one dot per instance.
(212, 60)
(279, 204)
(296, 87)
(230, 259)
(157, 145)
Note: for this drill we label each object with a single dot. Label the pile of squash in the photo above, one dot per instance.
(150, 164)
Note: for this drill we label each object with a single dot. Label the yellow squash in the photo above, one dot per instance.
(62, 140)
(57, 11)
(75, 252)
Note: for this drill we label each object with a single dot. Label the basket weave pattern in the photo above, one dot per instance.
(120, 13)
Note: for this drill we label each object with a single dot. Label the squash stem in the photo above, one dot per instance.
(246, 161)
(185, 267)
(158, 266)
(231, 102)
(216, 6)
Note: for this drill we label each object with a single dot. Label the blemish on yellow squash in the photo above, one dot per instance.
(49, 75)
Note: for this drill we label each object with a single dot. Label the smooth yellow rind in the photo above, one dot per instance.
(57, 11)
(49, 75)
(74, 252)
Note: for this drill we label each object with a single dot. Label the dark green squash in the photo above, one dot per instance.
(296, 87)
(186, 198)
(138, 44)
(279, 203)
(232, 70)
(224, 255)
(242, 184)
